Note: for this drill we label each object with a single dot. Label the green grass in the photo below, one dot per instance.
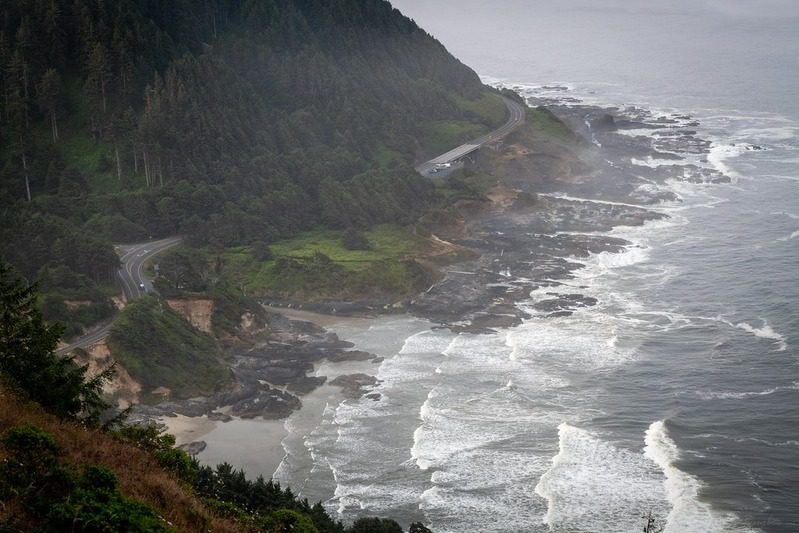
(77, 146)
(482, 115)
(387, 241)
(439, 136)
(464, 185)
(81, 151)
(317, 279)
(384, 271)
(488, 109)
(541, 133)
(541, 124)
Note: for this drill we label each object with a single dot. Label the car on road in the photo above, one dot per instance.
(141, 286)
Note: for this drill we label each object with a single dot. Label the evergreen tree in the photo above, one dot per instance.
(98, 76)
(28, 362)
(49, 93)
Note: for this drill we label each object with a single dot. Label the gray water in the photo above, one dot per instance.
(679, 392)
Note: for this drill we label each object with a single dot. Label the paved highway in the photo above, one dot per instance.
(132, 280)
(131, 275)
(516, 116)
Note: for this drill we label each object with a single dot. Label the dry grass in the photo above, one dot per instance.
(139, 476)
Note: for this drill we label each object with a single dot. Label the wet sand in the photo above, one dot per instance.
(253, 445)
(187, 429)
(256, 445)
(319, 319)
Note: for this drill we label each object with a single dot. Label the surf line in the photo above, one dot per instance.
(559, 196)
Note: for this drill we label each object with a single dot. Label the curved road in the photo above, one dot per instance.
(516, 116)
(132, 280)
(131, 276)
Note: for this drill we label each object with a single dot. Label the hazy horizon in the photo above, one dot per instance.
(674, 52)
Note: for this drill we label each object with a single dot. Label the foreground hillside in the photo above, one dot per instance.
(67, 462)
(137, 472)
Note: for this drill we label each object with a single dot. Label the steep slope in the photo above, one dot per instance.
(138, 473)
(227, 121)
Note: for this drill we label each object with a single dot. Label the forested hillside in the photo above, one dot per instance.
(228, 121)
(68, 463)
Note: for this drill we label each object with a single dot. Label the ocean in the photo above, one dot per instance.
(677, 394)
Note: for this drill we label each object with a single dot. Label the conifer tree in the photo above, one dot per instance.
(49, 93)
(28, 362)
(98, 75)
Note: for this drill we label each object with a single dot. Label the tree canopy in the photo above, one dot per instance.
(29, 364)
(228, 121)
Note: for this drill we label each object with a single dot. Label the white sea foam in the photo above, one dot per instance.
(782, 176)
(678, 320)
(598, 267)
(595, 486)
(719, 153)
(792, 236)
(652, 162)
(632, 255)
(399, 369)
(746, 439)
(580, 341)
(611, 342)
(429, 341)
(785, 213)
(705, 395)
(769, 134)
(461, 439)
(418, 450)
(671, 320)
(695, 195)
(457, 423)
(593, 135)
(563, 196)
(764, 332)
(635, 132)
(688, 512)
(745, 128)
(492, 498)
(479, 350)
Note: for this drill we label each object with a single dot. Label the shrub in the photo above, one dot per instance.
(104, 164)
(57, 497)
(96, 505)
(353, 239)
(261, 251)
(287, 520)
(162, 448)
(375, 525)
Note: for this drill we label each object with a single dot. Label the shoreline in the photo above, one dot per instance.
(256, 445)
(525, 240)
(323, 320)
(555, 236)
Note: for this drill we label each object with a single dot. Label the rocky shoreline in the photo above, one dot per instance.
(270, 376)
(550, 210)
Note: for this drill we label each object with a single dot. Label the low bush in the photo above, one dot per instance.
(52, 496)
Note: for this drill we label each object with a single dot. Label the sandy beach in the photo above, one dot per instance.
(256, 445)
(319, 319)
